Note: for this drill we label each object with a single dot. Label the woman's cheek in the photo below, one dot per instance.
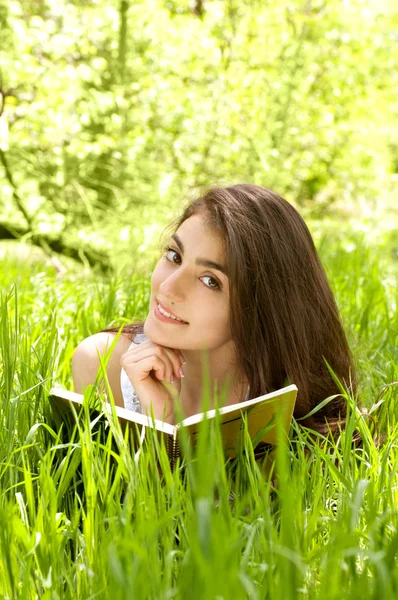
(212, 323)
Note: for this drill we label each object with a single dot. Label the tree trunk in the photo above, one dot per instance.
(82, 254)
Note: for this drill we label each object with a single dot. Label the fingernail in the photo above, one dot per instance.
(181, 372)
(172, 379)
(182, 359)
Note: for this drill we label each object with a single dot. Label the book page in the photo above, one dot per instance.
(60, 398)
(260, 413)
(236, 408)
(140, 426)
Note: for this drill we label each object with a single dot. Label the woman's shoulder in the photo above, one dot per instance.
(86, 362)
(103, 341)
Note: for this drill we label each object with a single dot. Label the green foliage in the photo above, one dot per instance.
(112, 110)
(84, 516)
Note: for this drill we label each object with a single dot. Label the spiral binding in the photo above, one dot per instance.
(173, 451)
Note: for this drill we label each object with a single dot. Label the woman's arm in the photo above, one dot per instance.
(85, 362)
(149, 366)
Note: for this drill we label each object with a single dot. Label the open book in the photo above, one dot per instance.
(261, 413)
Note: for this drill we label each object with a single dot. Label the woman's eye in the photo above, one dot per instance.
(212, 283)
(171, 255)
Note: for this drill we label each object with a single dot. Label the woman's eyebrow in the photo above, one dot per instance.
(201, 262)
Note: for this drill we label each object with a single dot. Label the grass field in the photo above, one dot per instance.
(83, 518)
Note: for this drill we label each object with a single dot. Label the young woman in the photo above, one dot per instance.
(241, 279)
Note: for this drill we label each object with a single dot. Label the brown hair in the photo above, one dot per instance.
(284, 318)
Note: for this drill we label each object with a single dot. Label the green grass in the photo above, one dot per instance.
(86, 518)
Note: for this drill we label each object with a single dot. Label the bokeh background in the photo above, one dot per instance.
(114, 112)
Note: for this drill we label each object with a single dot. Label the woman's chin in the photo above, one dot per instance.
(148, 327)
(152, 332)
(158, 335)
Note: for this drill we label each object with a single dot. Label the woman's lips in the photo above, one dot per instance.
(165, 319)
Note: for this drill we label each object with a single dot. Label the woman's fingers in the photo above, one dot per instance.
(151, 369)
(132, 363)
(151, 363)
(138, 367)
(170, 357)
(175, 355)
(175, 359)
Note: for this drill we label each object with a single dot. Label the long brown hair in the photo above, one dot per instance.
(284, 319)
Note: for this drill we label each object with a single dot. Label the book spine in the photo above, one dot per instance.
(173, 450)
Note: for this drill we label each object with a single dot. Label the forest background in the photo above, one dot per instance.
(114, 112)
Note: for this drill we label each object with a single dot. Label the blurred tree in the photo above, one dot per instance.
(110, 115)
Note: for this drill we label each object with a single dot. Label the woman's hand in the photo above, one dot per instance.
(148, 366)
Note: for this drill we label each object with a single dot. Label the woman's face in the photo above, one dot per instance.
(189, 283)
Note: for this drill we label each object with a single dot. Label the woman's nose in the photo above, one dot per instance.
(173, 287)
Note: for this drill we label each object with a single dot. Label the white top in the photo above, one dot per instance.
(130, 397)
(131, 401)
